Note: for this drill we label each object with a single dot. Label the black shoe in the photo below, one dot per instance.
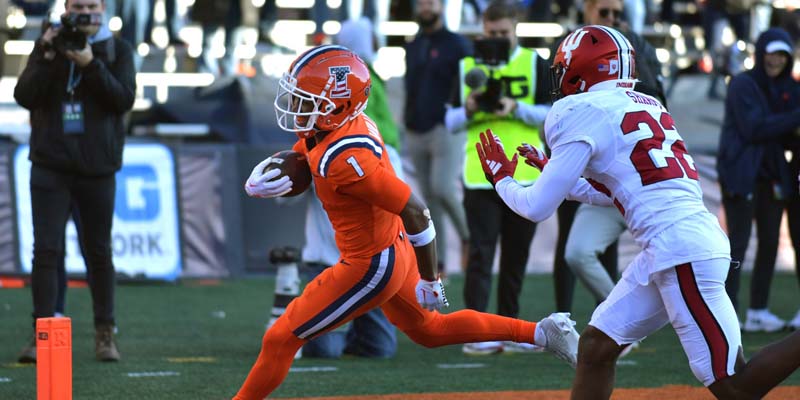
(28, 354)
(104, 347)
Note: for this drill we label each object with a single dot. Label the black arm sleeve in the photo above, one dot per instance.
(114, 85)
(35, 82)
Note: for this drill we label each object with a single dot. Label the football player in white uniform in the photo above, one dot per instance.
(616, 147)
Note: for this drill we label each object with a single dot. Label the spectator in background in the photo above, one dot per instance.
(538, 10)
(267, 15)
(596, 228)
(431, 63)
(172, 23)
(762, 112)
(635, 15)
(518, 113)
(134, 15)
(359, 36)
(77, 100)
(211, 14)
(61, 295)
(737, 13)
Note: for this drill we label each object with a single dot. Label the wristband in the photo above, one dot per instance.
(423, 238)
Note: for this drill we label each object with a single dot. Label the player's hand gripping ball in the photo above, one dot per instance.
(285, 173)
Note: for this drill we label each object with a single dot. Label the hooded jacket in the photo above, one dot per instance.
(761, 115)
(106, 89)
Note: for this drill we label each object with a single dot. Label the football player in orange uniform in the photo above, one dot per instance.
(383, 231)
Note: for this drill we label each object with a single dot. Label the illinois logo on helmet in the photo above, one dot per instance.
(591, 55)
(325, 87)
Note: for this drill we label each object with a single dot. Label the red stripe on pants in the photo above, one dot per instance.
(712, 332)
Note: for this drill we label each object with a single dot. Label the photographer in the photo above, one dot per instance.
(505, 88)
(78, 84)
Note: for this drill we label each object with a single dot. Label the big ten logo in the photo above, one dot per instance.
(516, 87)
(137, 197)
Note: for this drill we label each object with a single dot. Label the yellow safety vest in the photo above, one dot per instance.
(519, 83)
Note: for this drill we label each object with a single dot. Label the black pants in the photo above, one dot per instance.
(52, 196)
(488, 219)
(563, 278)
(767, 211)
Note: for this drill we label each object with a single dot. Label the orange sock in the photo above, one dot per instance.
(467, 326)
(270, 369)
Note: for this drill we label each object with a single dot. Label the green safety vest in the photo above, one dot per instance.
(519, 83)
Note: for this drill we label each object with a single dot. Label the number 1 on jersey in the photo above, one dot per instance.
(651, 173)
(354, 163)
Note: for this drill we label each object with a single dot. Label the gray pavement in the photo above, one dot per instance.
(698, 119)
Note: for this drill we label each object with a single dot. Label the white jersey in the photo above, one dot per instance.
(625, 144)
(639, 160)
(637, 154)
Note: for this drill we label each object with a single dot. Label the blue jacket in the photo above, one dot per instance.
(761, 115)
(431, 63)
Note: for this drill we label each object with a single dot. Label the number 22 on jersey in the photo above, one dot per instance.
(675, 156)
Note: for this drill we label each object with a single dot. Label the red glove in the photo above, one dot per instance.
(533, 156)
(494, 161)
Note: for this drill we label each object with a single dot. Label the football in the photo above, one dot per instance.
(295, 166)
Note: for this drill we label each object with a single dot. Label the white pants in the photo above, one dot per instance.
(692, 298)
(593, 230)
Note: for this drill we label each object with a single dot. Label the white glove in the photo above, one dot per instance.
(259, 184)
(430, 294)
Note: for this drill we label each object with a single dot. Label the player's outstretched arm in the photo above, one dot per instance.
(422, 235)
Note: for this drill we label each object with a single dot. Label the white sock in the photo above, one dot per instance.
(539, 337)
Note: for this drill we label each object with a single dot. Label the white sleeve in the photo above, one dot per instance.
(531, 114)
(455, 119)
(584, 192)
(561, 179)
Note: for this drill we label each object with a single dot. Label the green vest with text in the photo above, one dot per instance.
(519, 83)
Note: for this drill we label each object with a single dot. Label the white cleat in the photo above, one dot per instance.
(762, 321)
(562, 338)
(794, 324)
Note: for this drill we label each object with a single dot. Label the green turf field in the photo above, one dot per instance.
(198, 342)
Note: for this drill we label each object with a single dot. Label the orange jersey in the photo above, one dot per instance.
(357, 187)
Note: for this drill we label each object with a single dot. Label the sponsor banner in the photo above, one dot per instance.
(146, 230)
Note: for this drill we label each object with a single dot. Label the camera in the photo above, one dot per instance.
(493, 53)
(71, 37)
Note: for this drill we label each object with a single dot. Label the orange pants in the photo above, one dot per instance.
(351, 288)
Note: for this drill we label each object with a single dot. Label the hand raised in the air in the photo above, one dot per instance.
(533, 156)
(260, 183)
(494, 161)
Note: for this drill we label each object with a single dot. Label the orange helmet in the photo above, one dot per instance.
(324, 88)
(590, 55)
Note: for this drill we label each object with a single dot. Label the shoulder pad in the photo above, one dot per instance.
(365, 152)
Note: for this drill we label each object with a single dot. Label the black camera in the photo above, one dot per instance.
(493, 53)
(71, 37)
